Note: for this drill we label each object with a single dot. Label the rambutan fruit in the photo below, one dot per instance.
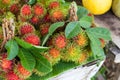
(21, 71)
(54, 4)
(49, 42)
(58, 14)
(5, 64)
(46, 18)
(83, 57)
(21, 19)
(6, 1)
(71, 53)
(26, 11)
(44, 28)
(59, 41)
(34, 20)
(32, 39)
(81, 39)
(39, 10)
(11, 76)
(39, 73)
(14, 8)
(55, 55)
(26, 28)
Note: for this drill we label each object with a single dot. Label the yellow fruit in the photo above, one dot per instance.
(116, 7)
(97, 7)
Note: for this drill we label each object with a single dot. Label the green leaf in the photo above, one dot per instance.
(45, 39)
(100, 32)
(38, 49)
(31, 2)
(30, 47)
(96, 46)
(12, 49)
(82, 12)
(42, 64)
(86, 21)
(27, 60)
(54, 26)
(72, 29)
(61, 1)
(57, 69)
(22, 43)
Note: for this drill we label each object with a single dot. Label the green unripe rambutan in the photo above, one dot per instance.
(81, 39)
(58, 14)
(71, 53)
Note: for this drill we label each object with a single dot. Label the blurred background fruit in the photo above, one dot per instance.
(97, 7)
(116, 7)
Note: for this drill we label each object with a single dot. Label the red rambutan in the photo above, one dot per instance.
(26, 11)
(26, 28)
(59, 41)
(14, 8)
(53, 56)
(21, 71)
(5, 64)
(39, 10)
(32, 39)
(11, 76)
(34, 20)
(54, 52)
(46, 18)
(44, 28)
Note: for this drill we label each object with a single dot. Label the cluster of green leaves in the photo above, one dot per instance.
(29, 55)
(94, 34)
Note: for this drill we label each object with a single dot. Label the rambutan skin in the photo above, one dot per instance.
(26, 11)
(71, 53)
(22, 72)
(26, 28)
(39, 10)
(59, 41)
(14, 8)
(54, 4)
(12, 76)
(44, 28)
(5, 64)
(53, 55)
(46, 18)
(81, 39)
(54, 52)
(32, 39)
(58, 14)
(34, 20)
(83, 57)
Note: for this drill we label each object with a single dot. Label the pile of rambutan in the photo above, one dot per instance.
(45, 35)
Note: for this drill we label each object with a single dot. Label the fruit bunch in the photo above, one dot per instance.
(46, 33)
